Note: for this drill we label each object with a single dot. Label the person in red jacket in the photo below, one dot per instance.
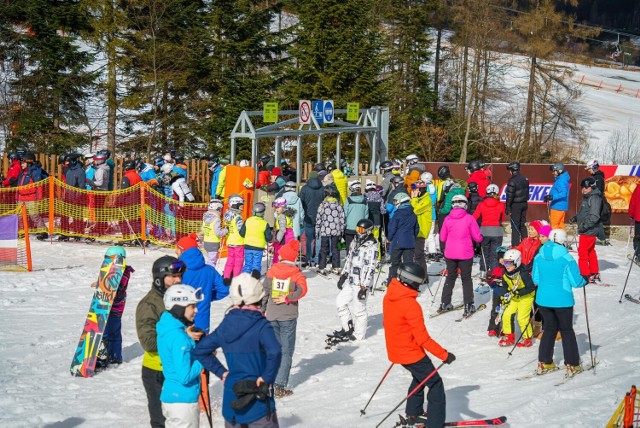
(477, 175)
(407, 339)
(491, 214)
(634, 213)
(13, 172)
(530, 245)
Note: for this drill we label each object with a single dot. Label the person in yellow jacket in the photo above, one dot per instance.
(212, 231)
(341, 182)
(167, 271)
(256, 233)
(520, 292)
(422, 208)
(222, 178)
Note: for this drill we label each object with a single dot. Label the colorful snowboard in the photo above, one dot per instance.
(84, 359)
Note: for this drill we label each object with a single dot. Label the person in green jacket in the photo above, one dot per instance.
(167, 271)
(422, 208)
(222, 178)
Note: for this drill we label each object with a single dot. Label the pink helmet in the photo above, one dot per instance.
(280, 202)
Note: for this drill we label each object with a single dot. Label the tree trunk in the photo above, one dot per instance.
(436, 73)
(472, 101)
(530, 96)
(112, 97)
(465, 58)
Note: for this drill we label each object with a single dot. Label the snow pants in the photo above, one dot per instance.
(235, 259)
(252, 260)
(286, 333)
(352, 308)
(113, 336)
(518, 220)
(558, 320)
(587, 256)
(556, 219)
(489, 256)
(636, 238)
(152, 381)
(288, 236)
(432, 240)
(522, 306)
(264, 422)
(452, 274)
(310, 233)
(419, 253)
(181, 415)
(211, 256)
(329, 243)
(436, 398)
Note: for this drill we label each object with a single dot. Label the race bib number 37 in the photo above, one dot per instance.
(280, 287)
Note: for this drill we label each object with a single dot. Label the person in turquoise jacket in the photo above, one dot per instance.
(558, 196)
(176, 342)
(556, 273)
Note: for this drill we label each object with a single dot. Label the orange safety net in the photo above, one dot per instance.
(627, 415)
(15, 249)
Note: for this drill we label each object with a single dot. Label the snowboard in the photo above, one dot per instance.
(85, 356)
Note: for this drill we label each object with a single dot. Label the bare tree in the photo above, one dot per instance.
(622, 148)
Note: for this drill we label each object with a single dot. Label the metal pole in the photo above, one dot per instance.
(374, 153)
(319, 153)
(356, 158)
(233, 151)
(254, 161)
(338, 142)
(299, 165)
(362, 411)
(277, 156)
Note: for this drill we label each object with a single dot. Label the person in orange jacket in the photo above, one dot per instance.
(407, 339)
(530, 245)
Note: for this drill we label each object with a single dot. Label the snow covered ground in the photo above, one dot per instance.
(42, 313)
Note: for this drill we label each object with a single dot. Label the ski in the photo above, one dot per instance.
(631, 299)
(586, 369)
(477, 422)
(535, 374)
(455, 308)
(478, 309)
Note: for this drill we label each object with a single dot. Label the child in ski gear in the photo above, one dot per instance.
(252, 353)
(284, 286)
(432, 190)
(330, 224)
(422, 208)
(556, 273)
(407, 339)
(176, 343)
(518, 298)
(403, 229)
(494, 279)
(530, 245)
(459, 231)
(235, 242)
(491, 214)
(517, 202)
(213, 231)
(112, 336)
(396, 187)
(357, 279)
(167, 271)
(201, 276)
(474, 198)
(257, 234)
(558, 196)
(355, 209)
(589, 228)
(283, 225)
(294, 202)
(377, 211)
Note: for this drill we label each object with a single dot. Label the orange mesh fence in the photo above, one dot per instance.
(15, 250)
(627, 414)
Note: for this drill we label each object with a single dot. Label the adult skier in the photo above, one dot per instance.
(558, 196)
(517, 203)
(589, 228)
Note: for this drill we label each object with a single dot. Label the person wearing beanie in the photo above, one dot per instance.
(490, 213)
(202, 276)
(257, 234)
(530, 245)
(277, 181)
(284, 286)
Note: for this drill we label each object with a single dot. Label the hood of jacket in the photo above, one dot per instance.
(563, 177)
(457, 213)
(358, 199)
(193, 258)
(238, 322)
(291, 197)
(552, 251)
(168, 324)
(400, 292)
(491, 202)
(314, 183)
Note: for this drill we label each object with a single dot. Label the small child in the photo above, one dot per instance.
(494, 279)
(235, 242)
(112, 336)
(176, 343)
(256, 233)
(530, 245)
(283, 225)
(213, 231)
(519, 297)
(330, 223)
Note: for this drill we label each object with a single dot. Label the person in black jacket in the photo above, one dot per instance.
(594, 169)
(75, 177)
(311, 195)
(517, 203)
(474, 198)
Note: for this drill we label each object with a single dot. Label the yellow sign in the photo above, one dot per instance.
(353, 111)
(270, 112)
(280, 287)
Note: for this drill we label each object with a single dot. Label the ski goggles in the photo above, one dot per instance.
(508, 263)
(174, 268)
(361, 230)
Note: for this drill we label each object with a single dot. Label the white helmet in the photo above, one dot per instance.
(369, 185)
(400, 198)
(459, 201)
(493, 189)
(411, 159)
(355, 185)
(245, 290)
(290, 186)
(235, 201)
(427, 177)
(514, 256)
(215, 205)
(559, 236)
(167, 168)
(593, 164)
(181, 295)
(244, 162)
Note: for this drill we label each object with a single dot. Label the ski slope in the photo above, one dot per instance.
(42, 314)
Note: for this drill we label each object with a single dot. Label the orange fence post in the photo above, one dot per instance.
(52, 199)
(27, 243)
(143, 217)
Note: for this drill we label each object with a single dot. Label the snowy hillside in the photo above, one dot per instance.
(42, 313)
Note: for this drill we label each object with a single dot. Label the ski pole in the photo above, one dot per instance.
(362, 411)
(420, 385)
(144, 250)
(375, 284)
(633, 259)
(629, 238)
(586, 317)
(437, 289)
(206, 400)
(515, 227)
(549, 210)
(522, 332)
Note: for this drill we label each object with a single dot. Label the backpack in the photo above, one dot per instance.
(605, 211)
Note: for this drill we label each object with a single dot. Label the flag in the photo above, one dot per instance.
(8, 240)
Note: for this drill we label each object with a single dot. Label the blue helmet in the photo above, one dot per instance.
(116, 250)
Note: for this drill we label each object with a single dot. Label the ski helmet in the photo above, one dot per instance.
(493, 189)
(369, 186)
(513, 166)
(235, 201)
(167, 168)
(412, 159)
(318, 167)
(158, 161)
(215, 205)
(444, 172)
(178, 158)
(280, 202)
(512, 256)
(116, 250)
(400, 198)
(129, 165)
(386, 165)
(166, 265)
(459, 201)
(258, 209)
(106, 153)
(355, 186)
(411, 274)
(244, 162)
(212, 165)
(181, 295)
(558, 236)
(588, 182)
(364, 228)
(265, 159)
(331, 166)
(290, 186)
(14, 156)
(473, 187)
(246, 290)
(474, 165)
(558, 167)
(427, 177)
(593, 165)
(397, 180)
(28, 157)
(214, 157)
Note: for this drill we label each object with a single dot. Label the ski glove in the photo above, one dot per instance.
(341, 281)
(362, 294)
(450, 358)
(548, 198)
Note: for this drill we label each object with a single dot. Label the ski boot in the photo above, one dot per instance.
(42, 236)
(507, 340)
(444, 307)
(595, 279)
(63, 238)
(469, 309)
(525, 343)
(573, 370)
(544, 368)
(412, 422)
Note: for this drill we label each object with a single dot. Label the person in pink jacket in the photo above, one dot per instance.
(458, 232)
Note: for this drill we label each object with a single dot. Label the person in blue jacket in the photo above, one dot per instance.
(200, 275)
(558, 196)
(214, 168)
(402, 232)
(176, 343)
(252, 352)
(557, 274)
